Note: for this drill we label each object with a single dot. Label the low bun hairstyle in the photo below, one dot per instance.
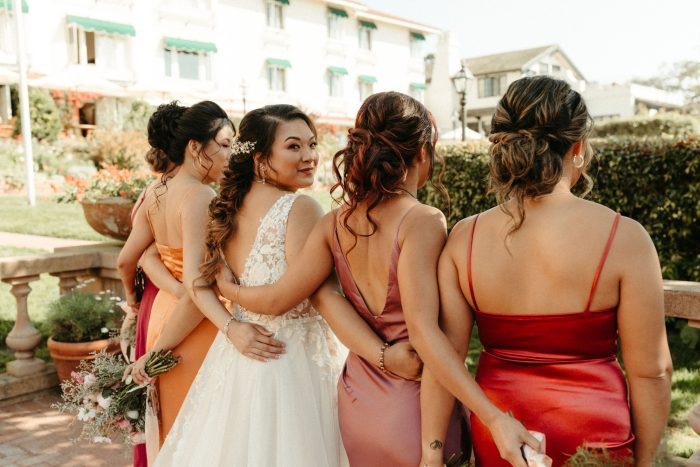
(535, 124)
(390, 130)
(257, 128)
(172, 126)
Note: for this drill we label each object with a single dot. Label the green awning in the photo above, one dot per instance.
(337, 12)
(9, 5)
(279, 62)
(97, 25)
(418, 86)
(337, 70)
(367, 79)
(283, 2)
(367, 25)
(187, 45)
(417, 36)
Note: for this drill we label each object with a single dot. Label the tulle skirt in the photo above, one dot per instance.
(242, 412)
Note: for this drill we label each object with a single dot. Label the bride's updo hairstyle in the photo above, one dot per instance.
(390, 130)
(535, 124)
(172, 126)
(252, 148)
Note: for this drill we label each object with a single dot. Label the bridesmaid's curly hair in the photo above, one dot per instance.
(390, 130)
(257, 128)
(535, 124)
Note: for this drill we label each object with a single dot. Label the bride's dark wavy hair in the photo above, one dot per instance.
(258, 127)
(390, 130)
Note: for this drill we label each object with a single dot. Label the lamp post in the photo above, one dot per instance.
(460, 82)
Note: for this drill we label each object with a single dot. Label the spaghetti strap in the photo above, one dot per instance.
(613, 230)
(398, 227)
(469, 263)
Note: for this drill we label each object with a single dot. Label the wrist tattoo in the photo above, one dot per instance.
(437, 444)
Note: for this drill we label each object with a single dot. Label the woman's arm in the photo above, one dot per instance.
(251, 340)
(424, 238)
(640, 319)
(302, 278)
(158, 274)
(139, 239)
(356, 334)
(437, 403)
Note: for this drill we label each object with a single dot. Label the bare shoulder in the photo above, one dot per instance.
(305, 205)
(424, 222)
(633, 237)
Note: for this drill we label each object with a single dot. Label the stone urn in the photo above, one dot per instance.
(109, 216)
(67, 355)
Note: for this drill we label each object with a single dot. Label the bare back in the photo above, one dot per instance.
(370, 258)
(549, 264)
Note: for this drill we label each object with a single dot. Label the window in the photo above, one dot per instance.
(187, 64)
(275, 11)
(101, 43)
(544, 68)
(556, 69)
(416, 91)
(7, 31)
(366, 86)
(490, 86)
(277, 74)
(416, 42)
(365, 32)
(335, 78)
(336, 21)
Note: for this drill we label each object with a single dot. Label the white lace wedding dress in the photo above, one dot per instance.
(245, 413)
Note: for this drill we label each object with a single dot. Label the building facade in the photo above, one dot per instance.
(323, 56)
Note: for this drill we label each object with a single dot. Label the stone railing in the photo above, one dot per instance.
(76, 264)
(71, 265)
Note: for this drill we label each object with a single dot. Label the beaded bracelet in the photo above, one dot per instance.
(381, 357)
(226, 327)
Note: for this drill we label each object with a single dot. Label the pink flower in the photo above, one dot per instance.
(77, 377)
(90, 379)
(123, 424)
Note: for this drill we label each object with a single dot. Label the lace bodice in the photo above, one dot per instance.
(267, 261)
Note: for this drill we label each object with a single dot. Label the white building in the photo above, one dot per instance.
(325, 56)
(626, 100)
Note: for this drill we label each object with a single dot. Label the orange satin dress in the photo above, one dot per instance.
(558, 374)
(173, 385)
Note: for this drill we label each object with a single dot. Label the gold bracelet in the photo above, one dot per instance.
(381, 357)
(226, 328)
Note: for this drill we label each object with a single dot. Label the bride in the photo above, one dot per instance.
(260, 408)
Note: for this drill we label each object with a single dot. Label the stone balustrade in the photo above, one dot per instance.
(73, 265)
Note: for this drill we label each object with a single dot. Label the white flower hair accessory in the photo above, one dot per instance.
(241, 147)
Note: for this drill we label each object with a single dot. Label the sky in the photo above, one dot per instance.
(607, 40)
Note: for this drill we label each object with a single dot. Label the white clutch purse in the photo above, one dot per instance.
(537, 459)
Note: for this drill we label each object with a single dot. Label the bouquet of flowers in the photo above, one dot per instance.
(109, 182)
(109, 406)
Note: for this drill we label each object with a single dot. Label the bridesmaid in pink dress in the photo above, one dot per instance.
(385, 245)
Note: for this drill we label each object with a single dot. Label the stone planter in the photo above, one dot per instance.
(67, 355)
(109, 216)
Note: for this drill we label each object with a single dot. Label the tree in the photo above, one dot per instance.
(683, 76)
(44, 114)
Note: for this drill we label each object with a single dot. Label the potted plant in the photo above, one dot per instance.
(81, 324)
(108, 197)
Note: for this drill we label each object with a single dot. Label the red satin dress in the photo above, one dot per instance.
(379, 413)
(558, 374)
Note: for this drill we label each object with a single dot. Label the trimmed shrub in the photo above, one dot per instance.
(654, 181)
(45, 116)
(125, 150)
(137, 118)
(658, 125)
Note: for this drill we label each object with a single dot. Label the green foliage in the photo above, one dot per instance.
(82, 317)
(45, 116)
(654, 181)
(137, 118)
(667, 124)
(124, 150)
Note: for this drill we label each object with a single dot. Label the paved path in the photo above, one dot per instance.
(39, 242)
(32, 433)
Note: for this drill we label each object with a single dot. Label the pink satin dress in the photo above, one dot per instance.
(379, 413)
(558, 374)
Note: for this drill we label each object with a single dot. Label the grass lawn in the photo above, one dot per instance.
(67, 221)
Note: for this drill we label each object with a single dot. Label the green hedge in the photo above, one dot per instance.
(672, 125)
(655, 181)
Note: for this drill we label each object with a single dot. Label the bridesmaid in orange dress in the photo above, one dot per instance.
(197, 140)
(552, 282)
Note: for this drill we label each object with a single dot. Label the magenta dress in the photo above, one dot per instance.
(379, 413)
(149, 294)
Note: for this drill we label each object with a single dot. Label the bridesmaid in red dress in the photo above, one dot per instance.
(552, 282)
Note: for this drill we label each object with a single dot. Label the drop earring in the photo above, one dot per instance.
(578, 161)
(262, 173)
